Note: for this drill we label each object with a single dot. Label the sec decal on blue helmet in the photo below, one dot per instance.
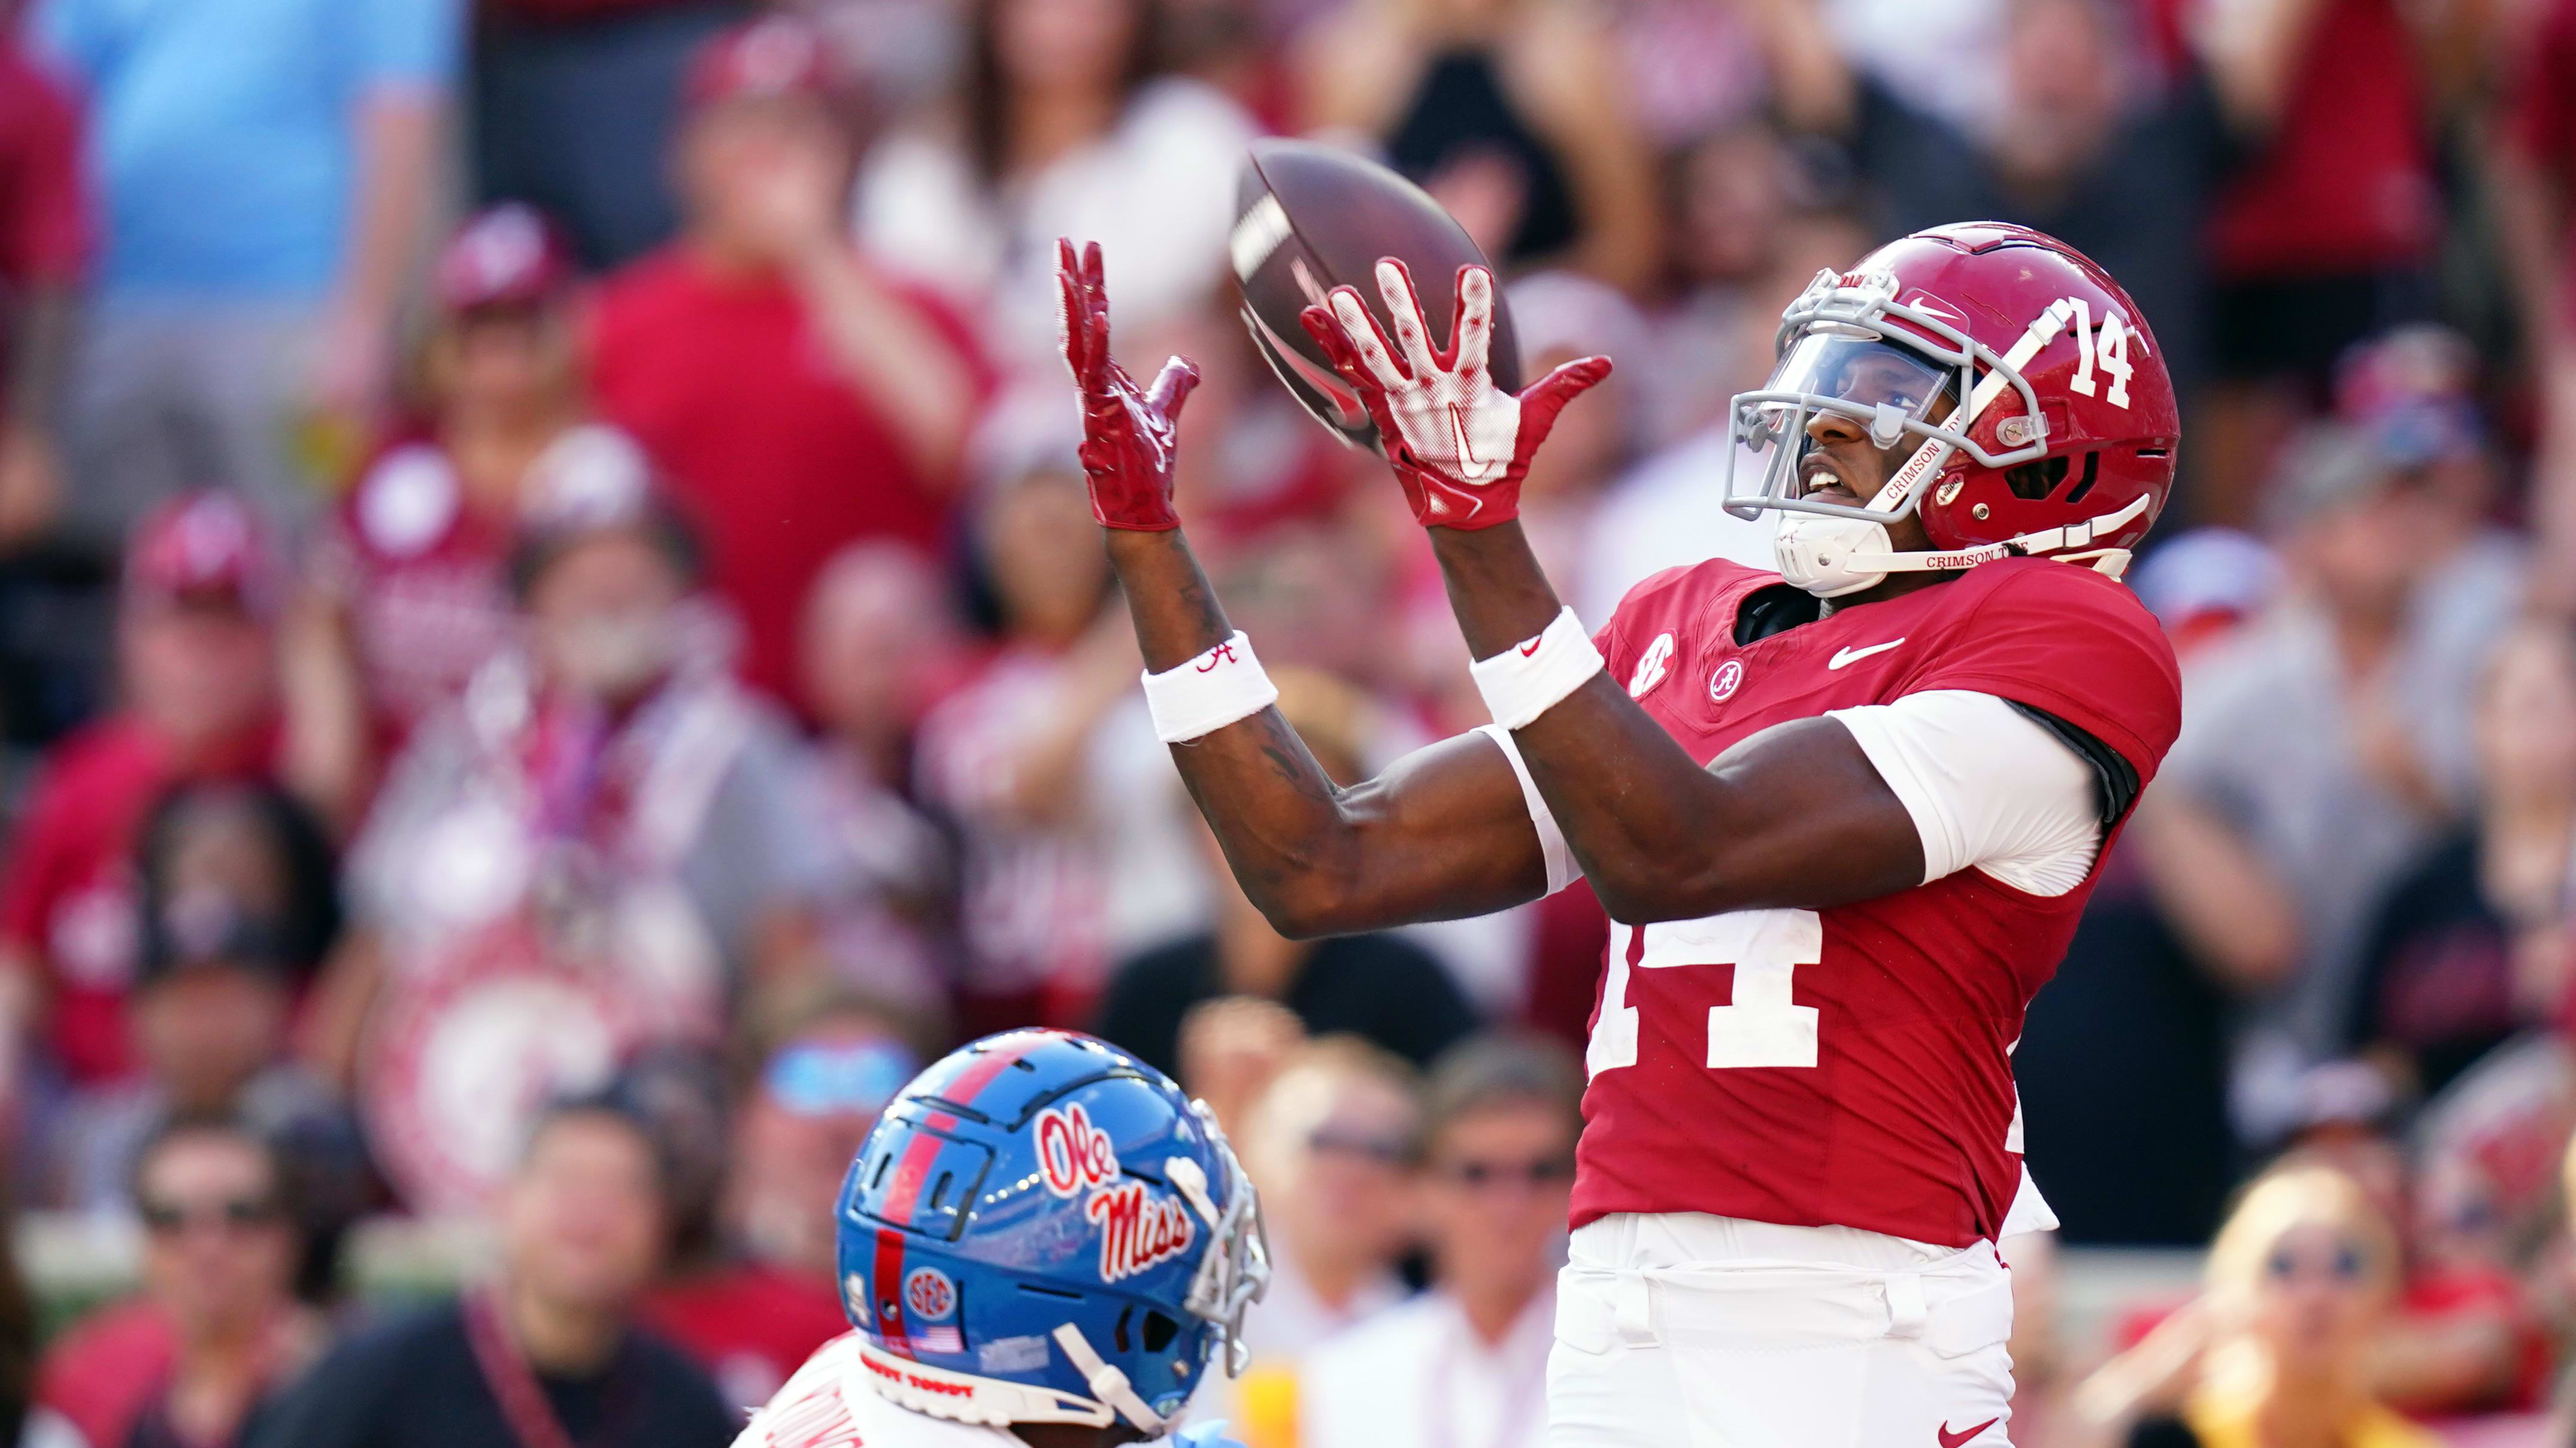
(1043, 1229)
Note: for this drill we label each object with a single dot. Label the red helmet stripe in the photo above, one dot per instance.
(889, 1282)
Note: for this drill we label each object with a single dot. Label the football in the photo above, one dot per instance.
(1309, 218)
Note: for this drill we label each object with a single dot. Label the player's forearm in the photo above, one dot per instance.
(1659, 837)
(1440, 835)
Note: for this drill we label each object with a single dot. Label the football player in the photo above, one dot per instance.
(1043, 1244)
(1843, 815)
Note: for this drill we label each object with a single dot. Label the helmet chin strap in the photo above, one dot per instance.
(1830, 557)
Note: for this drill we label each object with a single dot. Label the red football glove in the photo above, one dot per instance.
(1459, 445)
(1127, 435)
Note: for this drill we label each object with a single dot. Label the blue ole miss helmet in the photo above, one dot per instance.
(1043, 1229)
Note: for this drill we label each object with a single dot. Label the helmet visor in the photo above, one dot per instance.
(1865, 372)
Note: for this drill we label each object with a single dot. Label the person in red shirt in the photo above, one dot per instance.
(195, 658)
(796, 397)
(44, 240)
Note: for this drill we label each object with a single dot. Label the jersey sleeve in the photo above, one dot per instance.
(1988, 788)
(2071, 643)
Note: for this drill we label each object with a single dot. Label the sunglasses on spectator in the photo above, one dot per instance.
(1478, 1175)
(818, 1080)
(1381, 1149)
(234, 1214)
(2345, 1263)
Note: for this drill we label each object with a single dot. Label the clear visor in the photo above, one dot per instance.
(1864, 372)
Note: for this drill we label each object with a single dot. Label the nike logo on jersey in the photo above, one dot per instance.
(1953, 1440)
(1844, 656)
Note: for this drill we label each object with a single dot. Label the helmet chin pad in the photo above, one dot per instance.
(1830, 556)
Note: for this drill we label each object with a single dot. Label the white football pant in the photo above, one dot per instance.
(1681, 1330)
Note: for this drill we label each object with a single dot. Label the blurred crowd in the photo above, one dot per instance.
(552, 651)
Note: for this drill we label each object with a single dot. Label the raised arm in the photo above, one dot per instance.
(1795, 816)
(1444, 833)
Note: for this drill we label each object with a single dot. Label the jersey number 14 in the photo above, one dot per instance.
(1761, 1026)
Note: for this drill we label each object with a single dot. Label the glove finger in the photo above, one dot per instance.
(1367, 338)
(1542, 400)
(1328, 334)
(1404, 308)
(1071, 331)
(1172, 387)
(1471, 344)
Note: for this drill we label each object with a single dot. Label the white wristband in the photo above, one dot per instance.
(1519, 684)
(1209, 692)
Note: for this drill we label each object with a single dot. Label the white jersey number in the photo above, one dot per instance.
(1762, 1026)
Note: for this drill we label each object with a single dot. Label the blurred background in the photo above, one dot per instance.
(552, 652)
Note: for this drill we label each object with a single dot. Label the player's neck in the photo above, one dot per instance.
(1894, 585)
(1074, 1435)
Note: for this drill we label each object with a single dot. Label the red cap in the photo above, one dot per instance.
(777, 55)
(509, 255)
(200, 543)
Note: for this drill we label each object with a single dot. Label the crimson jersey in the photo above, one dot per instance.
(1851, 1066)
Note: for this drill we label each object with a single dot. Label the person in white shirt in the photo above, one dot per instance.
(1465, 1364)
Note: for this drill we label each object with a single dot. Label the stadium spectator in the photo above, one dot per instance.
(1332, 1144)
(573, 103)
(2129, 1002)
(881, 642)
(1008, 758)
(1514, 114)
(2324, 231)
(198, 1356)
(194, 653)
(2311, 763)
(797, 396)
(1468, 1357)
(1065, 124)
(265, 171)
(2466, 947)
(547, 1352)
(2280, 1346)
(1380, 987)
(771, 1295)
(603, 849)
(409, 593)
(2087, 145)
(236, 907)
(44, 245)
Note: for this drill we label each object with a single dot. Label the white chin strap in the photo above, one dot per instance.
(1830, 556)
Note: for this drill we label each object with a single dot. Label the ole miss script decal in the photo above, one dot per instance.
(1138, 1228)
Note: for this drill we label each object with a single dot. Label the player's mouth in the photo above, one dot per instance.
(1818, 474)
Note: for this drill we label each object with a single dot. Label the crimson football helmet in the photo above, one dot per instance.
(2058, 438)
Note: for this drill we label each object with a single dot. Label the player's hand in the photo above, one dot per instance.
(1459, 444)
(1128, 433)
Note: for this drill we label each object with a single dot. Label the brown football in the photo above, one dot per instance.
(1309, 218)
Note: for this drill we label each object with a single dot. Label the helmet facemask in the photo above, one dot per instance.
(1841, 353)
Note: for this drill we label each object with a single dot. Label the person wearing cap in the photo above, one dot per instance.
(797, 397)
(408, 594)
(198, 700)
(236, 905)
(2317, 759)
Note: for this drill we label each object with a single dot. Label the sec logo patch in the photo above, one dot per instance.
(1723, 683)
(929, 1293)
(1650, 666)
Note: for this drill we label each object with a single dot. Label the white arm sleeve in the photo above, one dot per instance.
(1561, 869)
(1988, 787)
